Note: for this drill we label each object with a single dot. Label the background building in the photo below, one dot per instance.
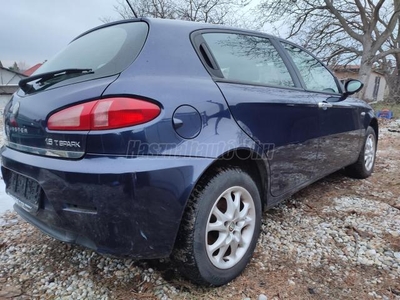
(376, 88)
(8, 84)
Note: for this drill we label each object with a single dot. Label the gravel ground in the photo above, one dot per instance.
(337, 239)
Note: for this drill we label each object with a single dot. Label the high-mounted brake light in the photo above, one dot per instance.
(104, 114)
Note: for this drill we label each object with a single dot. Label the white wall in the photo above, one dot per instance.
(371, 85)
(8, 77)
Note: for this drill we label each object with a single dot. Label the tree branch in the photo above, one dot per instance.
(343, 21)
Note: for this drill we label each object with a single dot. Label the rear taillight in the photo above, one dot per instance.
(104, 114)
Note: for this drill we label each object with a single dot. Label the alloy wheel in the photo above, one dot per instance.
(230, 227)
(369, 152)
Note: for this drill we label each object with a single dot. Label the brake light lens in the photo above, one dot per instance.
(104, 114)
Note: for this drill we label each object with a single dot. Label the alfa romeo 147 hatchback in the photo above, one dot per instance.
(152, 138)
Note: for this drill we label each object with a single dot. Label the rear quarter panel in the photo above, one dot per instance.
(169, 72)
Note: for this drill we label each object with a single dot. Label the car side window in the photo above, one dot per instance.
(315, 75)
(248, 59)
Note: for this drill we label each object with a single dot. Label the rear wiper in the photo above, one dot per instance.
(23, 83)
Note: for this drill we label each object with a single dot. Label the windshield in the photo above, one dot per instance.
(106, 51)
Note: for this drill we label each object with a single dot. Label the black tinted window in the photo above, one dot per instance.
(248, 58)
(315, 76)
(106, 51)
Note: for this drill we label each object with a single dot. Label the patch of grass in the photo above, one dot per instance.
(387, 105)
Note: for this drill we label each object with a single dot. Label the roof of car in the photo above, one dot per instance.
(169, 24)
(192, 26)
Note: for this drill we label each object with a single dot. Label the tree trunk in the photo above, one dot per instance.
(394, 79)
(393, 82)
(363, 76)
(396, 86)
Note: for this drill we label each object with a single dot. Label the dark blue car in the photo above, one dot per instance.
(153, 138)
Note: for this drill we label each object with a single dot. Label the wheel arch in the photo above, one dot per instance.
(249, 160)
(190, 241)
(374, 124)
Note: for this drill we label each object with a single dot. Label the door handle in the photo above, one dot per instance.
(324, 105)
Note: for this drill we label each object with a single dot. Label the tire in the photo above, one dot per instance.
(364, 166)
(218, 233)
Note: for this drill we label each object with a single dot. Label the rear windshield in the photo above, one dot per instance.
(106, 51)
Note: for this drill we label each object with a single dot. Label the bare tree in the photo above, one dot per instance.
(164, 9)
(209, 11)
(344, 30)
(23, 66)
(391, 65)
(14, 67)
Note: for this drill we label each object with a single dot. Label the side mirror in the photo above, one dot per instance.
(352, 86)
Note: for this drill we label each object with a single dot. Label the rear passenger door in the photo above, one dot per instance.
(267, 101)
(340, 122)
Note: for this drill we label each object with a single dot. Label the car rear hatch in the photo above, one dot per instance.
(78, 74)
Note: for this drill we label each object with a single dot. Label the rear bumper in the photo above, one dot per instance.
(57, 233)
(115, 205)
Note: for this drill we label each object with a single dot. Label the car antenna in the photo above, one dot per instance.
(134, 13)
